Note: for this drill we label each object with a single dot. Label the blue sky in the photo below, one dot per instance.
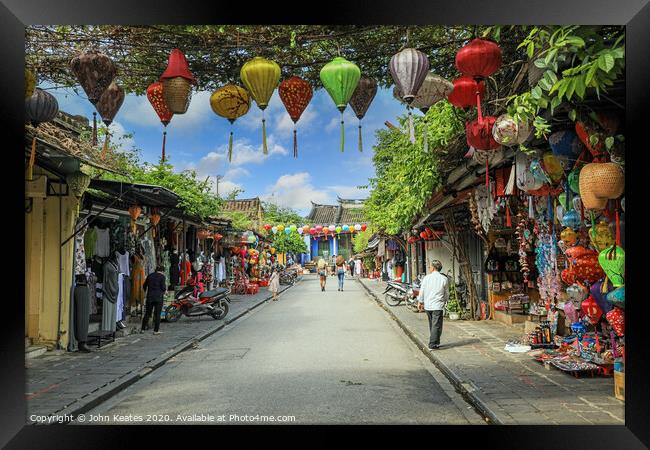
(198, 140)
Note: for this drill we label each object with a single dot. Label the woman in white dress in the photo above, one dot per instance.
(274, 284)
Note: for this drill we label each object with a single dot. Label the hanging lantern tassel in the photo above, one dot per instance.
(487, 173)
(164, 141)
(230, 147)
(94, 129)
(32, 160)
(508, 222)
(360, 140)
(264, 147)
(342, 133)
(295, 141)
(478, 105)
(531, 209)
(105, 148)
(411, 127)
(425, 142)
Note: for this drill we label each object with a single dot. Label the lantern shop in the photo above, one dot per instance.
(249, 261)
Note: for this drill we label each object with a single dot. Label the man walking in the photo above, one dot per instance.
(432, 299)
(155, 286)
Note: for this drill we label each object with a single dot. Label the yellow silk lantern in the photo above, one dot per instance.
(272, 251)
(280, 228)
(553, 167)
(230, 102)
(569, 236)
(261, 76)
(601, 236)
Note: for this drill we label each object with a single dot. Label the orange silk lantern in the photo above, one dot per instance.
(134, 212)
(155, 219)
(295, 94)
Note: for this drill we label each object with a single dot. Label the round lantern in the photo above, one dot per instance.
(601, 236)
(565, 144)
(40, 107)
(599, 291)
(339, 229)
(479, 134)
(361, 99)
(612, 260)
(110, 102)
(479, 59)
(600, 182)
(617, 297)
(574, 180)
(95, 72)
(537, 170)
(569, 236)
(295, 94)
(434, 88)
(570, 312)
(616, 318)
(571, 219)
(312, 231)
(274, 229)
(577, 293)
(508, 132)
(280, 228)
(423, 234)
(30, 83)
(231, 102)
(332, 228)
(408, 69)
(465, 92)
(346, 228)
(340, 78)
(251, 238)
(326, 230)
(177, 83)
(287, 231)
(272, 250)
(293, 228)
(592, 310)
(267, 226)
(217, 237)
(305, 229)
(552, 167)
(319, 228)
(357, 227)
(526, 181)
(300, 230)
(363, 227)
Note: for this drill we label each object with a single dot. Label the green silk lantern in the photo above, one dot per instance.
(340, 78)
(612, 260)
(338, 229)
(261, 76)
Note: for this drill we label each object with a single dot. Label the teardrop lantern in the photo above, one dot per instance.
(616, 318)
(479, 134)
(231, 102)
(409, 68)
(464, 93)
(592, 310)
(361, 99)
(134, 212)
(177, 83)
(155, 219)
(40, 107)
(295, 94)
(340, 78)
(157, 99)
(107, 107)
(612, 260)
(261, 76)
(479, 59)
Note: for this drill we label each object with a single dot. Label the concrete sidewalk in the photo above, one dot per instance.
(72, 383)
(508, 388)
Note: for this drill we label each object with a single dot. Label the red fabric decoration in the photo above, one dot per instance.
(177, 67)
(547, 190)
(295, 93)
(583, 266)
(592, 310)
(479, 134)
(583, 131)
(616, 318)
(479, 59)
(464, 93)
(502, 176)
(423, 234)
(157, 100)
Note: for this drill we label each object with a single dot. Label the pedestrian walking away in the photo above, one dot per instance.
(351, 266)
(274, 283)
(156, 287)
(322, 273)
(340, 270)
(433, 297)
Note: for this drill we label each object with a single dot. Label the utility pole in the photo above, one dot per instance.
(218, 177)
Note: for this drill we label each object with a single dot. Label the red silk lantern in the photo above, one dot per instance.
(479, 59)
(464, 93)
(423, 235)
(412, 239)
(592, 310)
(295, 94)
(157, 100)
(363, 227)
(616, 318)
(479, 134)
(217, 236)
(267, 227)
(312, 230)
(319, 228)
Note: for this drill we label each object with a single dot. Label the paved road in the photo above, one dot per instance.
(331, 357)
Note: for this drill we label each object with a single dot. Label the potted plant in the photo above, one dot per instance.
(453, 307)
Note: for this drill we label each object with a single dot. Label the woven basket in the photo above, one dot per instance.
(600, 182)
(177, 92)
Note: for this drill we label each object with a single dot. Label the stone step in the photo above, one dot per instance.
(35, 350)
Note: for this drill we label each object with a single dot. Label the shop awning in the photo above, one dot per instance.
(135, 193)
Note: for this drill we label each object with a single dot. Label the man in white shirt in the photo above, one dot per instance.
(433, 296)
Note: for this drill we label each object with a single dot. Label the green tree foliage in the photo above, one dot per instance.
(274, 215)
(406, 176)
(292, 243)
(240, 221)
(360, 239)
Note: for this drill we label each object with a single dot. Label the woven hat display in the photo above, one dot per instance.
(600, 182)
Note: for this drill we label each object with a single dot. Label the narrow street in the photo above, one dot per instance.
(331, 357)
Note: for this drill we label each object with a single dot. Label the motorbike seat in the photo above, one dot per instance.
(213, 292)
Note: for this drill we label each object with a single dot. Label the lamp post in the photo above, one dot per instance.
(218, 177)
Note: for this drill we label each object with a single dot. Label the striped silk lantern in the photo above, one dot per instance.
(409, 68)
(231, 102)
(40, 107)
(340, 78)
(361, 99)
(177, 83)
(295, 94)
(261, 76)
(157, 99)
(107, 107)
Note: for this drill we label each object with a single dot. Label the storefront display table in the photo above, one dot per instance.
(99, 337)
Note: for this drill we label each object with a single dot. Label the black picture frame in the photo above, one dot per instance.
(635, 14)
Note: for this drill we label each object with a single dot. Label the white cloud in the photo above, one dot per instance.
(349, 192)
(236, 172)
(226, 187)
(137, 110)
(118, 132)
(296, 191)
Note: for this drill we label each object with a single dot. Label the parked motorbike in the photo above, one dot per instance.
(397, 293)
(214, 303)
(288, 277)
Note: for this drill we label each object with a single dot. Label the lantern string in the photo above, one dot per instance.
(411, 128)
(264, 147)
(94, 129)
(487, 172)
(163, 144)
(508, 222)
(32, 159)
(295, 142)
(342, 133)
(478, 106)
(360, 139)
(230, 147)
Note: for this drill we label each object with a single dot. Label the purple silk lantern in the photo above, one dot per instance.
(601, 297)
(409, 68)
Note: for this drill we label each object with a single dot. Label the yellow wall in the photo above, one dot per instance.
(43, 235)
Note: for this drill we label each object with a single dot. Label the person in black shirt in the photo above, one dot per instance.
(155, 287)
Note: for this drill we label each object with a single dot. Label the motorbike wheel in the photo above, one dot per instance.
(222, 312)
(172, 313)
(392, 301)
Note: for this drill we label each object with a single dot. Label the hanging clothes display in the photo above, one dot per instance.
(82, 301)
(186, 269)
(79, 255)
(123, 261)
(166, 266)
(110, 290)
(103, 243)
(119, 232)
(149, 256)
(120, 297)
(174, 269)
(137, 281)
(90, 240)
(91, 280)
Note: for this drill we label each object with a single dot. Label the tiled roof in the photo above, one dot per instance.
(323, 214)
(248, 206)
(351, 216)
(347, 212)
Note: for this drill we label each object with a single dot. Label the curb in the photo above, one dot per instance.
(109, 390)
(454, 379)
